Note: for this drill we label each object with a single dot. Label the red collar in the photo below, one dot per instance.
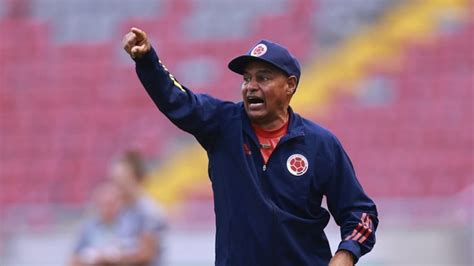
(271, 133)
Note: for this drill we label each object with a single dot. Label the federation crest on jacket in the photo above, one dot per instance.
(297, 164)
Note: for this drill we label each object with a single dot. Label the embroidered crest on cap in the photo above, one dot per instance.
(259, 50)
(297, 164)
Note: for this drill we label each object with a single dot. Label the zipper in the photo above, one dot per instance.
(279, 144)
(265, 165)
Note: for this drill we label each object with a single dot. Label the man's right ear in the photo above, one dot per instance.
(292, 83)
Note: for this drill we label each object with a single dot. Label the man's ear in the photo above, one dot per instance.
(292, 83)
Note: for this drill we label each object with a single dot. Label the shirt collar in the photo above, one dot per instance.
(295, 126)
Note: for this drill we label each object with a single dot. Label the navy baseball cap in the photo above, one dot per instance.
(270, 52)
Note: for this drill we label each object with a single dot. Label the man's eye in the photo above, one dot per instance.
(246, 79)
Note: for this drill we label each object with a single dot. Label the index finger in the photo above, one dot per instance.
(139, 33)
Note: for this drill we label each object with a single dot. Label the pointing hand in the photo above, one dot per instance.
(136, 43)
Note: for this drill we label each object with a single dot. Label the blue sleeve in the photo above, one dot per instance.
(196, 114)
(354, 212)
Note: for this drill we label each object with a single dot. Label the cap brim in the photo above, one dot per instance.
(239, 63)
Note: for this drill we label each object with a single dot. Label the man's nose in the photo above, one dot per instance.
(251, 85)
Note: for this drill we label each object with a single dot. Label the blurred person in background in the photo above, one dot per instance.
(142, 213)
(269, 167)
(139, 224)
(101, 238)
(128, 173)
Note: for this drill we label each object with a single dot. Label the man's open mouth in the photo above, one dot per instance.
(255, 101)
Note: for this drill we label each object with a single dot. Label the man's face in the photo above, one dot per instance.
(266, 92)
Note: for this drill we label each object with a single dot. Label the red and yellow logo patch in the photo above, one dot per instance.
(297, 164)
(259, 50)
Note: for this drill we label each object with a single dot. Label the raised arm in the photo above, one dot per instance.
(194, 113)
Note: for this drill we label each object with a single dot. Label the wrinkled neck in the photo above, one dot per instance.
(275, 123)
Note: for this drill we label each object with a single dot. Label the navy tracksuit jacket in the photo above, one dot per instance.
(265, 215)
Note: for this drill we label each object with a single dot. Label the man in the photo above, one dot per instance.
(269, 167)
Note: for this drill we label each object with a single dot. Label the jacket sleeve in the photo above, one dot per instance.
(354, 212)
(193, 113)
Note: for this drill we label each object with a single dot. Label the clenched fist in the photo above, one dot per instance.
(136, 43)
